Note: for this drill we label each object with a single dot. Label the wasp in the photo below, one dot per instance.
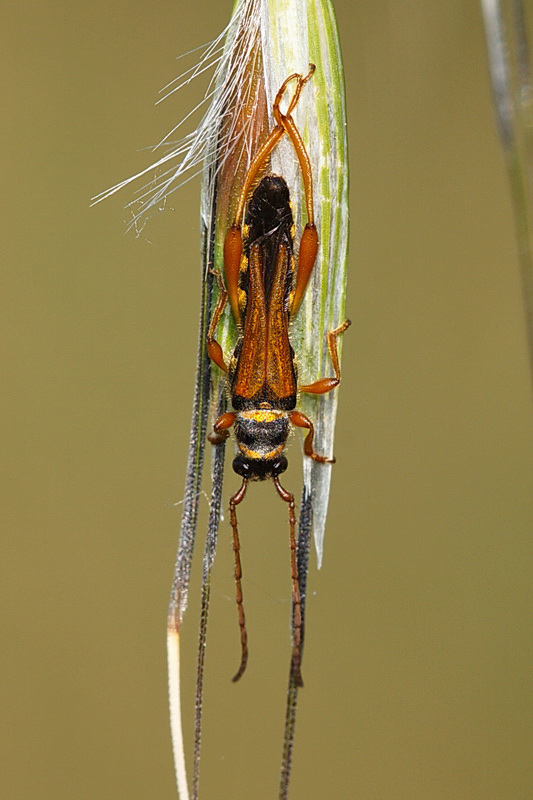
(265, 283)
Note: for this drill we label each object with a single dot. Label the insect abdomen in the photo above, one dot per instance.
(261, 434)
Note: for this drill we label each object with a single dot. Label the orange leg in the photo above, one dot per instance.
(309, 241)
(299, 420)
(325, 385)
(306, 262)
(221, 426)
(286, 122)
(234, 501)
(232, 266)
(296, 599)
(213, 348)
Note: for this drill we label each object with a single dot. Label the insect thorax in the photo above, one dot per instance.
(268, 225)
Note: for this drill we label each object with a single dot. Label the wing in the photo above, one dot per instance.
(250, 372)
(280, 375)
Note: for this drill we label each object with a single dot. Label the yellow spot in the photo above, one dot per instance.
(263, 415)
(255, 455)
(247, 452)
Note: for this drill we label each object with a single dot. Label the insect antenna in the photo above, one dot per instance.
(234, 501)
(296, 599)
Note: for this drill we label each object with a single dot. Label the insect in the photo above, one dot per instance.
(265, 285)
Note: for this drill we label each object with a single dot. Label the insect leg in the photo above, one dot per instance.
(309, 240)
(220, 428)
(296, 599)
(299, 420)
(325, 385)
(213, 348)
(274, 137)
(234, 501)
(306, 262)
(302, 80)
(286, 122)
(258, 161)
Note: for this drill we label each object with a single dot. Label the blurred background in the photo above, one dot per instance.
(416, 648)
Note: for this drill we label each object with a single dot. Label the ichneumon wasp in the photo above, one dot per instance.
(265, 284)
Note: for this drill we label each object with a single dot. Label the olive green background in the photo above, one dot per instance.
(416, 652)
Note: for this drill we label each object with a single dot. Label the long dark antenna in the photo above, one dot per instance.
(234, 501)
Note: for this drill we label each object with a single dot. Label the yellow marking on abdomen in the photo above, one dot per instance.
(263, 415)
(257, 456)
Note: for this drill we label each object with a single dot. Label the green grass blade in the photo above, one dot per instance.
(506, 23)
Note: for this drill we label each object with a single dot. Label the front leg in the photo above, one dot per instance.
(325, 385)
(213, 348)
